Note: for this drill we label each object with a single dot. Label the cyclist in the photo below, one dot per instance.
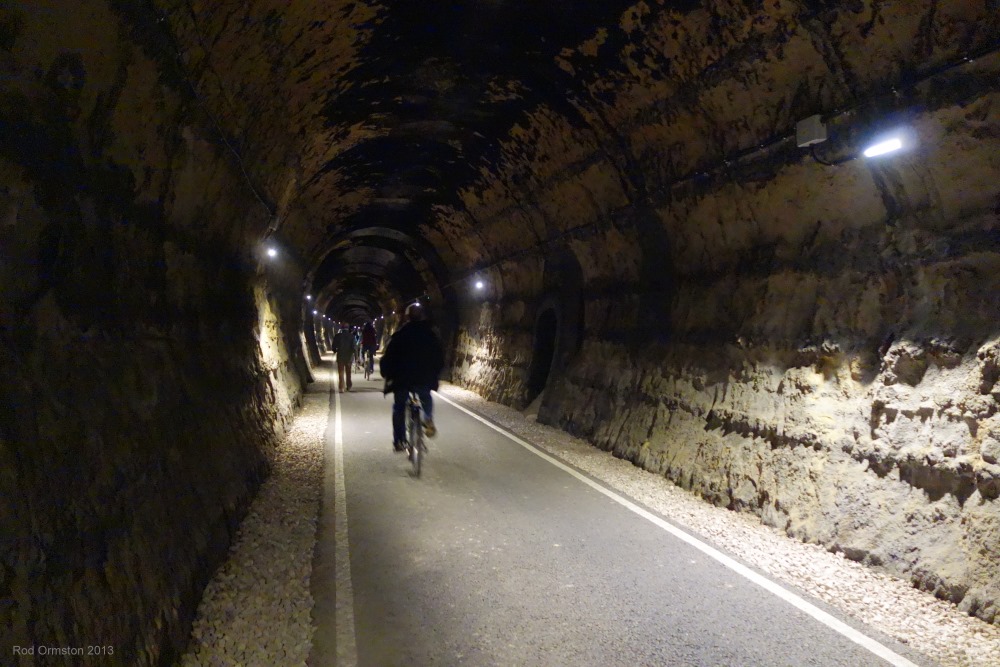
(369, 342)
(412, 361)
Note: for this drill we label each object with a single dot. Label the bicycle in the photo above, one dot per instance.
(415, 446)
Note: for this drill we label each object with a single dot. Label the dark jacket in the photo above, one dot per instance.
(368, 336)
(343, 346)
(413, 358)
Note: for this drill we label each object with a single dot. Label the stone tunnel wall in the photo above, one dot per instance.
(144, 370)
(815, 344)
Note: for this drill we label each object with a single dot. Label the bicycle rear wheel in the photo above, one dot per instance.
(415, 434)
(418, 455)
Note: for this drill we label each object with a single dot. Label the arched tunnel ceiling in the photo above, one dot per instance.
(398, 266)
(437, 120)
(387, 111)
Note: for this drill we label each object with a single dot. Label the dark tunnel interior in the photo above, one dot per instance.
(681, 248)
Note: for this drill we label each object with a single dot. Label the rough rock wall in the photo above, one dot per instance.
(144, 370)
(816, 344)
(272, 69)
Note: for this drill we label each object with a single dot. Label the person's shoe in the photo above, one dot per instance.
(398, 446)
(429, 428)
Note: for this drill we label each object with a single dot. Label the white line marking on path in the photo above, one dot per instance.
(823, 617)
(347, 649)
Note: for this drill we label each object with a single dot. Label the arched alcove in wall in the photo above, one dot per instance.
(564, 290)
(543, 353)
(558, 329)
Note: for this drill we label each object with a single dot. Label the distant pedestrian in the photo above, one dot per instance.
(343, 346)
(369, 343)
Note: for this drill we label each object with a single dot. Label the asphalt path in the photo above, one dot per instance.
(497, 556)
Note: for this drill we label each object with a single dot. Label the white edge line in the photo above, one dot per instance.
(797, 601)
(347, 649)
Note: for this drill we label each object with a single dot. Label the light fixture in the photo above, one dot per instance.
(272, 252)
(315, 312)
(883, 147)
(480, 284)
(309, 297)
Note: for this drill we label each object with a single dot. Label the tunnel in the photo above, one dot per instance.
(750, 247)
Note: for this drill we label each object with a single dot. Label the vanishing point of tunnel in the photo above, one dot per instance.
(752, 246)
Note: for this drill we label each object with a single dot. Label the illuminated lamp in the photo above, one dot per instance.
(884, 147)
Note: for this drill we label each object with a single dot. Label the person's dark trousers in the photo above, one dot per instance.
(399, 410)
(344, 369)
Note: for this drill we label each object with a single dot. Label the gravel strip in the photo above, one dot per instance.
(257, 608)
(933, 627)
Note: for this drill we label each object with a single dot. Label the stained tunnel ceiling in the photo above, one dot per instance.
(385, 112)
(399, 146)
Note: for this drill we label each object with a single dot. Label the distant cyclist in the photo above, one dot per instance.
(412, 361)
(369, 342)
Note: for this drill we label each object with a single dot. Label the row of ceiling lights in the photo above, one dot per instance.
(809, 132)
(272, 253)
(814, 127)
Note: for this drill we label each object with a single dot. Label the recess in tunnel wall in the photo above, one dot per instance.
(517, 349)
(542, 354)
(817, 344)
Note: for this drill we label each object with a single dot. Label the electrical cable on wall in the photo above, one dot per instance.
(182, 70)
(584, 231)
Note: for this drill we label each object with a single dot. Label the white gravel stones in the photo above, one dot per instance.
(930, 626)
(257, 610)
